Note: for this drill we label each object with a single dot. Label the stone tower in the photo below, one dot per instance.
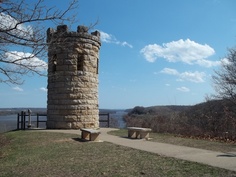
(73, 59)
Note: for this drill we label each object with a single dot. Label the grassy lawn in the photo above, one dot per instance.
(196, 143)
(28, 153)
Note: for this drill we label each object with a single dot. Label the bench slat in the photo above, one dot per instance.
(90, 130)
(139, 129)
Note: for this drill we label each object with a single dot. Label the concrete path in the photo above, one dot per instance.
(212, 158)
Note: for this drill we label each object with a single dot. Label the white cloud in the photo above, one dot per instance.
(183, 89)
(109, 38)
(193, 76)
(204, 62)
(208, 63)
(185, 51)
(170, 71)
(7, 22)
(18, 89)
(126, 44)
(196, 76)
(43, 89)
(20, 58)
(26, 59)
(225, 61)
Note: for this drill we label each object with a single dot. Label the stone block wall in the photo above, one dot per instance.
(73, 59)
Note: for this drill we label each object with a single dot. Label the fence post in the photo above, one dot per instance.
(37, 120)
(29, 118)
(22, 117)
(108, 121)
(24, 121)
(18, 120)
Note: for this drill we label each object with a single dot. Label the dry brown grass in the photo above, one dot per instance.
(33, 154)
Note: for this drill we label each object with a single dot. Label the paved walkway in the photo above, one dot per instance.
(212, 158)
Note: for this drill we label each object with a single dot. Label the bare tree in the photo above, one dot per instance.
(22, 36)
(225, 78)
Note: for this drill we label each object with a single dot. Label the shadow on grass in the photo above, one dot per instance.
(80, 140)
(132, 139)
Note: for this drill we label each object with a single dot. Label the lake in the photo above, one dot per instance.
(9, 122)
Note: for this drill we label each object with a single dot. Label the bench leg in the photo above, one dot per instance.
(144, 135)
(138, 134)
(94, 137)
(90, 136)
(131, 134)
(85, 135)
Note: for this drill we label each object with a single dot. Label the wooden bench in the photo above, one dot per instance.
(138, 132)
(90, 134)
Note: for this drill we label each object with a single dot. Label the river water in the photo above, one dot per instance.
(9, 122)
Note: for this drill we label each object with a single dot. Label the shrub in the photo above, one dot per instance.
(212, 119)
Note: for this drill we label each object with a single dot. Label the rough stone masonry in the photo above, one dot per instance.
(73, 59)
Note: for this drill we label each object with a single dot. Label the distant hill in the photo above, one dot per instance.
(9, 111)
(157, 110)
(216, 105)
(211, 106)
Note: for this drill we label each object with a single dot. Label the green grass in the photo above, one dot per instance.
(190, 142)
(28, 153)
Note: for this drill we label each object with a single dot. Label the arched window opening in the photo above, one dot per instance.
(97, 65)
(80, 63)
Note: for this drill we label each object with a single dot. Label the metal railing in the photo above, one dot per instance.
(22, 119)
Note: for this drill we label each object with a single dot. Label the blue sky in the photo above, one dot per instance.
(154, 52)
